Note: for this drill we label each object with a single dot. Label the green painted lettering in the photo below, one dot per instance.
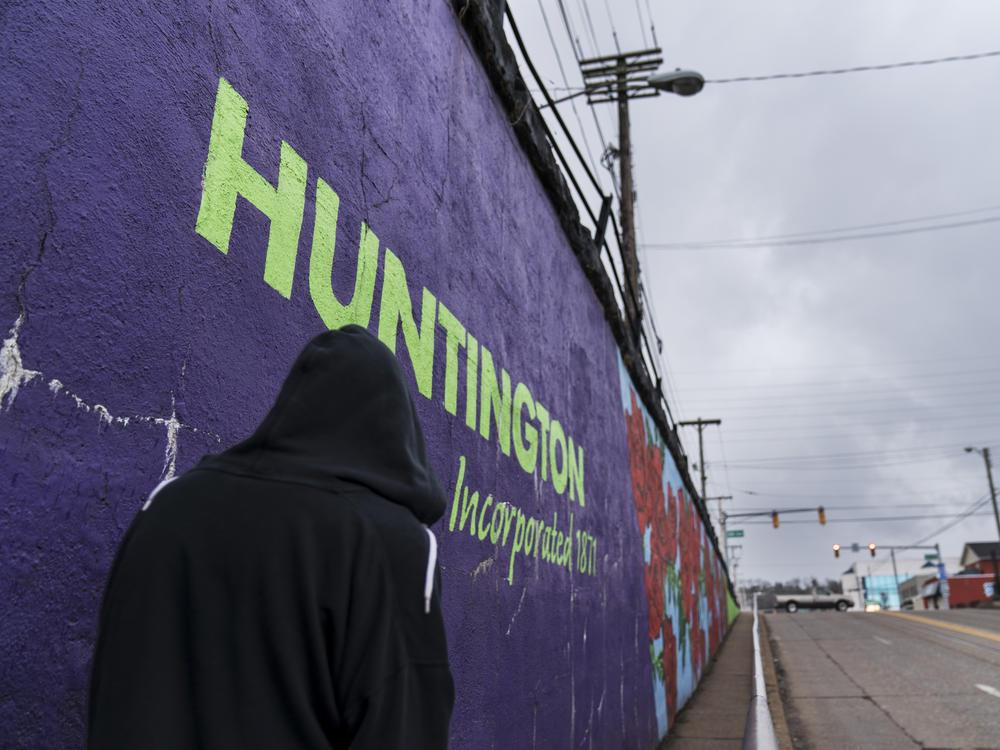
(228, 175)
(543, 423)
(458, 490)
(484, 531)
(396, 309)
(508, 515)
(518, 542)
(471, 381)
(494, 402)
(575, 472)
(568, 554)
(557, 438)
(359, 310)
(454, 338)
(527, 455)
(469, 506)
(529, 536)
(496, 528)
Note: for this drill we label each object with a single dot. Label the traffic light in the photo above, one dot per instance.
(822, 517)
(774, 519)
(836, 550)
(871, 548)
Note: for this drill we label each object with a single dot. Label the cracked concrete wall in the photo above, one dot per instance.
(133, 346)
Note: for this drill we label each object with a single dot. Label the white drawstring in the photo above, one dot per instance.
(156, 489)
(432, 553)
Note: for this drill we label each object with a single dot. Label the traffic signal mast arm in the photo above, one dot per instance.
(774, 514)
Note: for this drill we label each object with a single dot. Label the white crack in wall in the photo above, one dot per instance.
(12, 372)
(13, 375)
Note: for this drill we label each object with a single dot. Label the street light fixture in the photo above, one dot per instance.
(680, 82)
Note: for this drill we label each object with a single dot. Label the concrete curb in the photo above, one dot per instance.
(773, 694)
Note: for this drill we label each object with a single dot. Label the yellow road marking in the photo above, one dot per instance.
(948, 625)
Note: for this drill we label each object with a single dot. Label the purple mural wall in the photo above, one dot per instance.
(195, 189)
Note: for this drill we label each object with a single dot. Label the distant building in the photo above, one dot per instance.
(980, 556)
(873, 580)
(910, 589)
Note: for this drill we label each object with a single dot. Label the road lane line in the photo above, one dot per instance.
(989, 689)
(948, 625)
(882, 640)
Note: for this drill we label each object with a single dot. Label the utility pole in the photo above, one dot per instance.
(701, 424)
(895, 575)
(633, 305)
(619, 78)
(996, 514)
(722, 523)
(985, 453)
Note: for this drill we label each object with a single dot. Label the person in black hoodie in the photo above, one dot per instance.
(286, 593)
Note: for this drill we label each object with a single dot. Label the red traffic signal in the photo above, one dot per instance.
(871, 548)
(774, 519)
(822, 515)
(836, 550)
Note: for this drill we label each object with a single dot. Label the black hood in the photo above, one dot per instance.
(345, 413)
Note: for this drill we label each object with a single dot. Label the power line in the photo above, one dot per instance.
(577, 50)
(939, 449)
(843, 366)
(879, 519)
(965, 514)
(555, 49)
(642, 27)
(865, 381)
(752, 243)
(857, 69)
(652, 28)
(614, 32)
(839, 230)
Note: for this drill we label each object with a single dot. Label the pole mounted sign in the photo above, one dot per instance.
(734, 533)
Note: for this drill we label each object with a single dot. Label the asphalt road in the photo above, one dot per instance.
(889, 680)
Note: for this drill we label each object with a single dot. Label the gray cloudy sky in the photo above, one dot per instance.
(852, 373)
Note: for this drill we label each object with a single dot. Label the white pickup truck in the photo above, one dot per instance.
(815, 599)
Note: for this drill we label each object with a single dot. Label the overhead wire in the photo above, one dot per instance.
(948, 449)
(857, 68)
(952, 359)
(642, 26)
(751, 244)
(578, 49)
(652, 27)
(562, 70)
(841, 230)
(961, 517)
(875, 519)
(611, 23)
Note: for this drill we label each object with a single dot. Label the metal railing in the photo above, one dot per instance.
(759, 732)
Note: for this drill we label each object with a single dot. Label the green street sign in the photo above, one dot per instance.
(734, 534)
(930, 556)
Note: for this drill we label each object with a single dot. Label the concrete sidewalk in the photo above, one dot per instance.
(716, 715)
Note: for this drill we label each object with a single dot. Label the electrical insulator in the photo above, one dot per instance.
(774, 519)
(836, 550)
(822, 515)
(871, 548)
